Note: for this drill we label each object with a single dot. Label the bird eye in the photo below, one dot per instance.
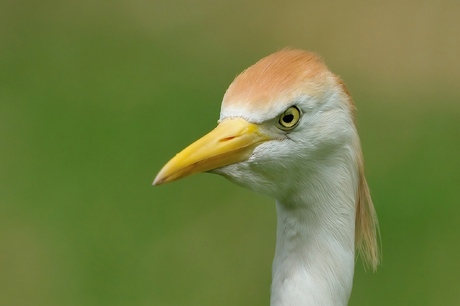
(289, 119)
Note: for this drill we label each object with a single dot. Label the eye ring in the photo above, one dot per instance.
(289, 119)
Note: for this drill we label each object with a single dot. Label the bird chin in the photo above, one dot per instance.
(240, 175)
(223, 171)
(233, 173)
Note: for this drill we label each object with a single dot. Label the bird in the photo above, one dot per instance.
(287, 129)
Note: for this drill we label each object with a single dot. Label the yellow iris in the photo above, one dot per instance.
(289, 119)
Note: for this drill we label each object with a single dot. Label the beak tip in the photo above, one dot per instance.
(157, 181)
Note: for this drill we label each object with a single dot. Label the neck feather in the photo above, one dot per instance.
(315, 241)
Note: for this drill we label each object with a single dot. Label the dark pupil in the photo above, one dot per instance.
(288, 118)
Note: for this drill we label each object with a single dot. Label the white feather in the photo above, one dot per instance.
(312, 173)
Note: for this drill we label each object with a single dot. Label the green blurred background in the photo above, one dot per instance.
(95, 96)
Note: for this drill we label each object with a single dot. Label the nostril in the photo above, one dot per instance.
(227, 138)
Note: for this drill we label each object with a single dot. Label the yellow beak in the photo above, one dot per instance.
(232, 141)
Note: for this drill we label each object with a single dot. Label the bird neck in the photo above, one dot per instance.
(314, 257)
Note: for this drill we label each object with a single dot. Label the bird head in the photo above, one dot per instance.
(286, 112)
(284, 115)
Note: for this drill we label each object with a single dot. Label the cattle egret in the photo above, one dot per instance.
(287, 130)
